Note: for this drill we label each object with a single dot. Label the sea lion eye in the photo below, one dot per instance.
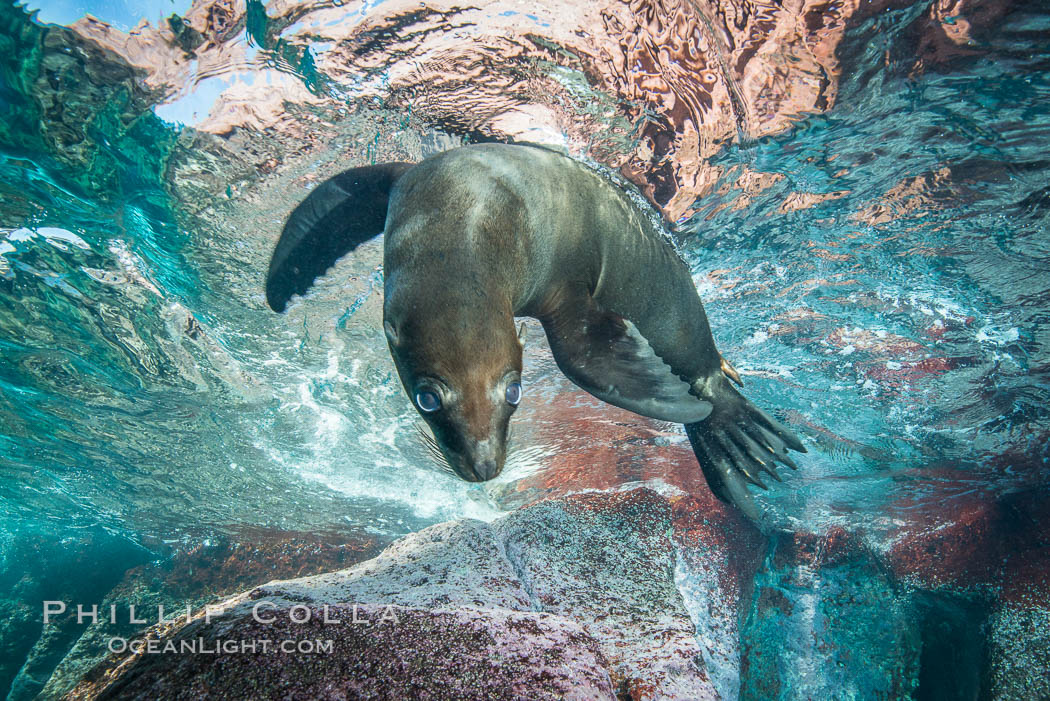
(428, 401)
(513, 393)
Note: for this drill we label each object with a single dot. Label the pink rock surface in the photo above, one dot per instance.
(569, 598)
(608, 561)
(425, 654)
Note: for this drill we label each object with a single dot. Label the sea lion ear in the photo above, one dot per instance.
(391, 334)
(522, 333)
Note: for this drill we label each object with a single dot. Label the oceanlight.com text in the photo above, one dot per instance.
(202, 646)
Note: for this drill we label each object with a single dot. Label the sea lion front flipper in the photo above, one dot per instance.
(737, 443)
(338, 216)
(606, 355)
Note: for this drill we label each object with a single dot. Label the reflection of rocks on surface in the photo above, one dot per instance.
(78, 101)
(653, 87)
(626, 595)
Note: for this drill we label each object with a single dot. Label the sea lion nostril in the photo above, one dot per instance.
(486, 469)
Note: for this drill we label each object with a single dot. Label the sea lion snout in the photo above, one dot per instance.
(487, 469)
(475, 450)
(489, 455)
(464, 379)
(483, 462)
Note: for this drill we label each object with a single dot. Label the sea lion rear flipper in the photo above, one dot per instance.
(606, 355)
(738, 442)
(338, 216)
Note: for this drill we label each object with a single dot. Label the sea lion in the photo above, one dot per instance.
(479, 235)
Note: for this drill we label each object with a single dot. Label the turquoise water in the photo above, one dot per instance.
(885, 293)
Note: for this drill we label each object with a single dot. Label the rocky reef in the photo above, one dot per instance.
(613, 595)
(109, 572)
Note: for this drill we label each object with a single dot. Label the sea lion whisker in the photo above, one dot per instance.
(431, 445)
(423, 431)
(442, 462)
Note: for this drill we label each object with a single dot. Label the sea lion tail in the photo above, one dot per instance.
(337, 217)
(737, 443)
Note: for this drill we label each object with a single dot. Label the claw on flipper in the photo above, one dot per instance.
(731, 373)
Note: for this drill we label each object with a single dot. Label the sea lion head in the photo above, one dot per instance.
(464, 379)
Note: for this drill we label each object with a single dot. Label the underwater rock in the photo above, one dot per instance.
(571, 595)
(611, 595)
(596, 446)
(192, 576)
(19, 633)
(718, 553)
(427, 654)
(952, 629)
(967, 541)
(607, 561)
(952, 605)
(35, 566)
(450, 565)
(985, 565)
(1018, 654)
(826, 621)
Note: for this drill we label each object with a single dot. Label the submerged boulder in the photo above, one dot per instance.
(569, 598)
(605, 595)
(191, 575)
(400, 653)
(1018, 658)
(825, 621)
